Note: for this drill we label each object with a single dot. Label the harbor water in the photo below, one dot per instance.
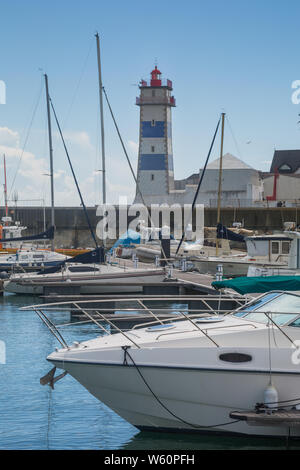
(33, 416)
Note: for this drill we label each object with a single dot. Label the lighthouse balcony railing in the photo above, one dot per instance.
(164, 82)
(156, 100)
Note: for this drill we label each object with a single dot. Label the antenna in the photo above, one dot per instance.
(5, 189)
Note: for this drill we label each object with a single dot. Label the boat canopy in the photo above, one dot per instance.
(247, 285)
(128, 238)
(224, 232)
(47, 235)
(91, 257)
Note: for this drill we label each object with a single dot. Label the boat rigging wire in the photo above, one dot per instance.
(73, 173)
(200, 182)
(233, 138)
(26, 138)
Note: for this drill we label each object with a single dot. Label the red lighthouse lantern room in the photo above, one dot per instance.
(155, 77)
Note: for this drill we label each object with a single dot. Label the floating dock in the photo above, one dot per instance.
(285, 418)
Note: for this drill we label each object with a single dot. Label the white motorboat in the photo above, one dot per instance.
(192, 374)
(263, 251)
(89, 278)
(290, 268)
(11, 231)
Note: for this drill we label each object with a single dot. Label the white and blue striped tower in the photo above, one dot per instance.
(155, 164)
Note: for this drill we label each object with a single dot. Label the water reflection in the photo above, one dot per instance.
(146, 440)
(69, 417)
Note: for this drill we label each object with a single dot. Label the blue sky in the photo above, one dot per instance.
(240, 57)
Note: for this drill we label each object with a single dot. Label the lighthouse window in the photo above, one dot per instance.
(152, 148)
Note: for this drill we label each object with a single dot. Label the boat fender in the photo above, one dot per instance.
(271, 397)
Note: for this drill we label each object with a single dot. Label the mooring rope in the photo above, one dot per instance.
(125, 363)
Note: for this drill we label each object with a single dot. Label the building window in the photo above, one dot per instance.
(152, 177)
(152, 148)
(285, 167)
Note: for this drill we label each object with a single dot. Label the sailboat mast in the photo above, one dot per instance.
(51, 157)
(102, 121)
(5, 189)
(220, 179)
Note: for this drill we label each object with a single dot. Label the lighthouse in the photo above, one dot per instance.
(155, 173)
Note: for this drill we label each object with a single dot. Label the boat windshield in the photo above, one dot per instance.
(283, 307)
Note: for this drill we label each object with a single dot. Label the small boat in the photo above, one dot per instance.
(88, 278)
(263, 251)
(30, 260)
(126, 245)
(195, 372)
(290, 254)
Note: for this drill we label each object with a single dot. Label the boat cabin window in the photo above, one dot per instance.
(82, 269)
(38, 256)
(295, 323)
(258, 303)
(23, 257)
(282, 309)
(285, 248)
(275, 248)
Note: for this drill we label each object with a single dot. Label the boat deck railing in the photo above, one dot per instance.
(109, 312)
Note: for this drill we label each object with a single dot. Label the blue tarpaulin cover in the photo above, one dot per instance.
(127, 239)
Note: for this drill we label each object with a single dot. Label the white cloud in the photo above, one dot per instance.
(33, 182)
(133, 146)
(9, 137)
(80, 138)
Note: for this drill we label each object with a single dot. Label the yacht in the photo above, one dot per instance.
(197, 372)
(10, 231)
(263, 251)
(89, 278)
(292, 264)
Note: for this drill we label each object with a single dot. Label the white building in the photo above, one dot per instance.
(241, 184)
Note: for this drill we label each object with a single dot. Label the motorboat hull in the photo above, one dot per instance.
(105, 284)
(231, 268)
(183, 399)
